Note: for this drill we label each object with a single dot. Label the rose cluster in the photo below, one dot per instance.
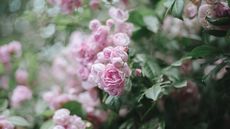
(68, 87)
(63, 120)
(21, 93)
(6, 52)
(102, 56)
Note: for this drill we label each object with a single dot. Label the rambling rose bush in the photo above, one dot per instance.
(114, 64)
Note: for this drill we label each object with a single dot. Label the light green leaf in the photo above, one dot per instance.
(3, 104)
(153, 92)
(177, 9)
(179, 62)
(204, 50)
(18, 121)
(75, 108)
(152, 23)
(47, 125)
(180, 84)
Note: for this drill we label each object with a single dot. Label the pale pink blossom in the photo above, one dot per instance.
(96, 71)
(21, 76)
(119, 52)
(121, 39)
(190, 10)
(83, 72)
(94, 4)
(76, 123)
(5, 124)
(221, 9)
(14, 47)
(61, 117)
(101, 34)
(20, 94)
(58, 127)
(112, 80)
(110, 23)
(117, 62)
(94, 24)
(88, 101)
(55, 98)
(67, 6)
(138, 72)
(127, 71)
(118, 15)
(124, 28)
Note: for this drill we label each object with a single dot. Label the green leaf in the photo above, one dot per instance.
(150, 69)
(180, 84)
(177, 9)
(75, 108)
(169, 4)
(47, 125)
(152, 23)
(204, 50)
(229, 3)
(153, 92)
(1, 68)
(18, 121)
(3, 104)
(113, 102)
(136, 18)
(217, 33)
(181, 61)
(218, 21)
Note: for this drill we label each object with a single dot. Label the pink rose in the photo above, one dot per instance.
(117, 62)
(125, 28)
(20, 94)
(94, 4)
(190, 10)
(5, 124)
(21, 76)
(96, 71)
(112, 80)
(76, 123)
(14, 47)
(221, 9)
(110, 23)
(119, 52)
(61, 117)
(94, 24)
(118, 15)
(127, 71)
(55, 98)
(121, 39)
(59, 127)
(101, 34)
(138, 72)
(83, 73)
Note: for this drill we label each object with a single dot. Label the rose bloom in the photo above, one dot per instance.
(5, 124)
(112, 80)
(76, 123)
(61, 117)
(20, 94)
(118, 15)
(121, 39)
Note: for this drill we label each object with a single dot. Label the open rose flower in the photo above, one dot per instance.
(121, 39)
(20, 94)
(118, 15)
(112, 80)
